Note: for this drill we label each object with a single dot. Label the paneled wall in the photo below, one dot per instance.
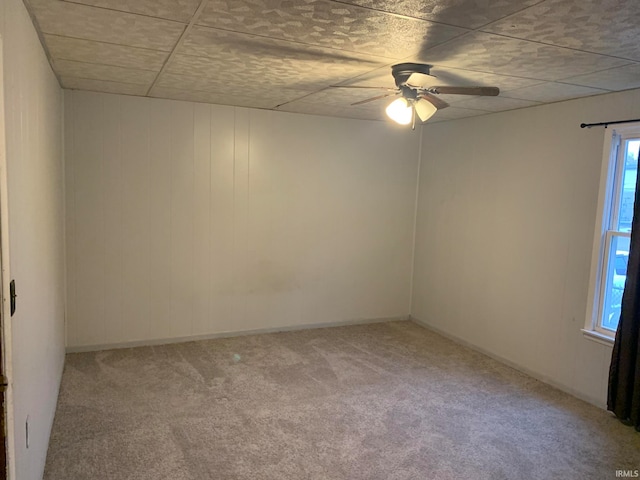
(188, 219)
(504, 233)
(33, 115)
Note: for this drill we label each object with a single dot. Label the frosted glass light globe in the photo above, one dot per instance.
(400, 111)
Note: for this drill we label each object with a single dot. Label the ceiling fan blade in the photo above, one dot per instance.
(362, 86)
(435, 101)
(482, 91)
(418, 79)
(374, 98)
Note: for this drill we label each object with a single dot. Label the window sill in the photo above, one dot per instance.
(598, 337)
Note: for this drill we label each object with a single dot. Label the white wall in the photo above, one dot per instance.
(507, 209)
(188, 219)
(33, 115)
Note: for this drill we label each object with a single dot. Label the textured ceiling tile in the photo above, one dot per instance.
(103, 86)
(223, 71)
(252, 90)
(463, 13)
(456, 77)
(609, 27)
(337, 102)
(210, 42)
(452, 113)
(328, 24)
(105, 53)
(271, 62)
(380, 77)
(180, 10)
(241, 98)
(187, 82)
(493, 104)
(622, 78)
(520, 58)
(286, 53)
(552, 92)
(69, 68)
(269, 74)
(319, 109)
(342, 98)
(216, 71)
(90, 23)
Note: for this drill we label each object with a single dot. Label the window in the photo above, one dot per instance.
(613, 229)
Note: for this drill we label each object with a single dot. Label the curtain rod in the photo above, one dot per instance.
(606, 124)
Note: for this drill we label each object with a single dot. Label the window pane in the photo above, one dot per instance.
(616, 277)
(628, 190)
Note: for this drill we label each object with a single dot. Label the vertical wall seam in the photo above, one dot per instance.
(234, 263)
(74, 259)
(171, 161)
(415, 223)
(103, 328)
(120, 244)
(192, 262)
(210, 200)
(64, 215)
(245, 284)
(148, 309)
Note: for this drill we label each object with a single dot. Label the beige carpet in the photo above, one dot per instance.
(383, 401)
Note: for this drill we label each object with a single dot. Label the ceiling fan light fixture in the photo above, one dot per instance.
(425, 109)
(418, 99)
(400, 111)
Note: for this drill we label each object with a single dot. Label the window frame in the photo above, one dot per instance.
(609, 199)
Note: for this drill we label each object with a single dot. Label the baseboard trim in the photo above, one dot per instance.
(509, 363)
(236, 333)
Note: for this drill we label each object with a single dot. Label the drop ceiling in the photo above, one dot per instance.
(287, 54)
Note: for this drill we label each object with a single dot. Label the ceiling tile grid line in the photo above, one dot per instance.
(607, 27)
(61, 60)
(99, 54)
(581, 50)
(95, 4)
(472, 14)
(176, 10)
(104, 72)
(99, 4)
(104, 86)
(111, 26)
(301, 44)
(613, 71)
(183, 10)
(325, 23)
(96, 42)
(285, 55)
(86, 79)
(195, 16)
(127, 8)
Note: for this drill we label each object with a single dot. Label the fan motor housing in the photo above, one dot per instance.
(402, 71)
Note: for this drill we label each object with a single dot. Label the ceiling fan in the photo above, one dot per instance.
(417, 97)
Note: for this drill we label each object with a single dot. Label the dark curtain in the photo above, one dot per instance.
(624, 373)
